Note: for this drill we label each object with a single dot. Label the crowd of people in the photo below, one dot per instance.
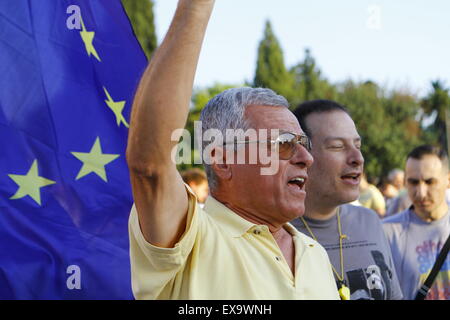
(415, 233)
(314, 229)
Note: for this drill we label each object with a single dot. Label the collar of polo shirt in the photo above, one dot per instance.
(234, 224)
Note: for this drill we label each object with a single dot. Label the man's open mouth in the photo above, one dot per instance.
(298, 181)
(353, 177)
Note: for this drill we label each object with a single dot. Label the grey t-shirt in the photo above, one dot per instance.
(415, 245)
(368, 265)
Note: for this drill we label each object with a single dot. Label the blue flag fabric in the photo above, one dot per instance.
(68, 70)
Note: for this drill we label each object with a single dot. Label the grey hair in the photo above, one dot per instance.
(226, 111)
(393, 173)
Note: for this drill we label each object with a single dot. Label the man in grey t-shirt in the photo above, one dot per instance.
(353, 236)
(417, 234)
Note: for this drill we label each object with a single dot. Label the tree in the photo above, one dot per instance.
(437, 104)
(270, 69)
(309, 83)
(403, 127)
(140, 13)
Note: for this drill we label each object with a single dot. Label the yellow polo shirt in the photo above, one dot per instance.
(372, 198)
(223, 256)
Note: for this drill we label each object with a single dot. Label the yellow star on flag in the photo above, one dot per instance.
(117, 108)
(94, 161)
(30, 184)
(88, 38)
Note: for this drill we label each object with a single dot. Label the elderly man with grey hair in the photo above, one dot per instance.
(402, 201)
(240, 246)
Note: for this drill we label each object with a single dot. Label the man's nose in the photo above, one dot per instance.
(302, 157)
(356, 158)
(421, 190)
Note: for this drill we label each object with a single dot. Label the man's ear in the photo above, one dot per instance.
(220, 165)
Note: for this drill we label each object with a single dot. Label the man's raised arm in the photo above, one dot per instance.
(161, 105)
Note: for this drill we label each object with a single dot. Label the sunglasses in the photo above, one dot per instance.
(284, 144)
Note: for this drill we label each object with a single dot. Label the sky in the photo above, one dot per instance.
(400, 44)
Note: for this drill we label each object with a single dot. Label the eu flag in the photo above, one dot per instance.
(68, 72)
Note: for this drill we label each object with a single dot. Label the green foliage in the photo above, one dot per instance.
(140, 13)
(309, 83)
(437, 103)
(270, 69)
